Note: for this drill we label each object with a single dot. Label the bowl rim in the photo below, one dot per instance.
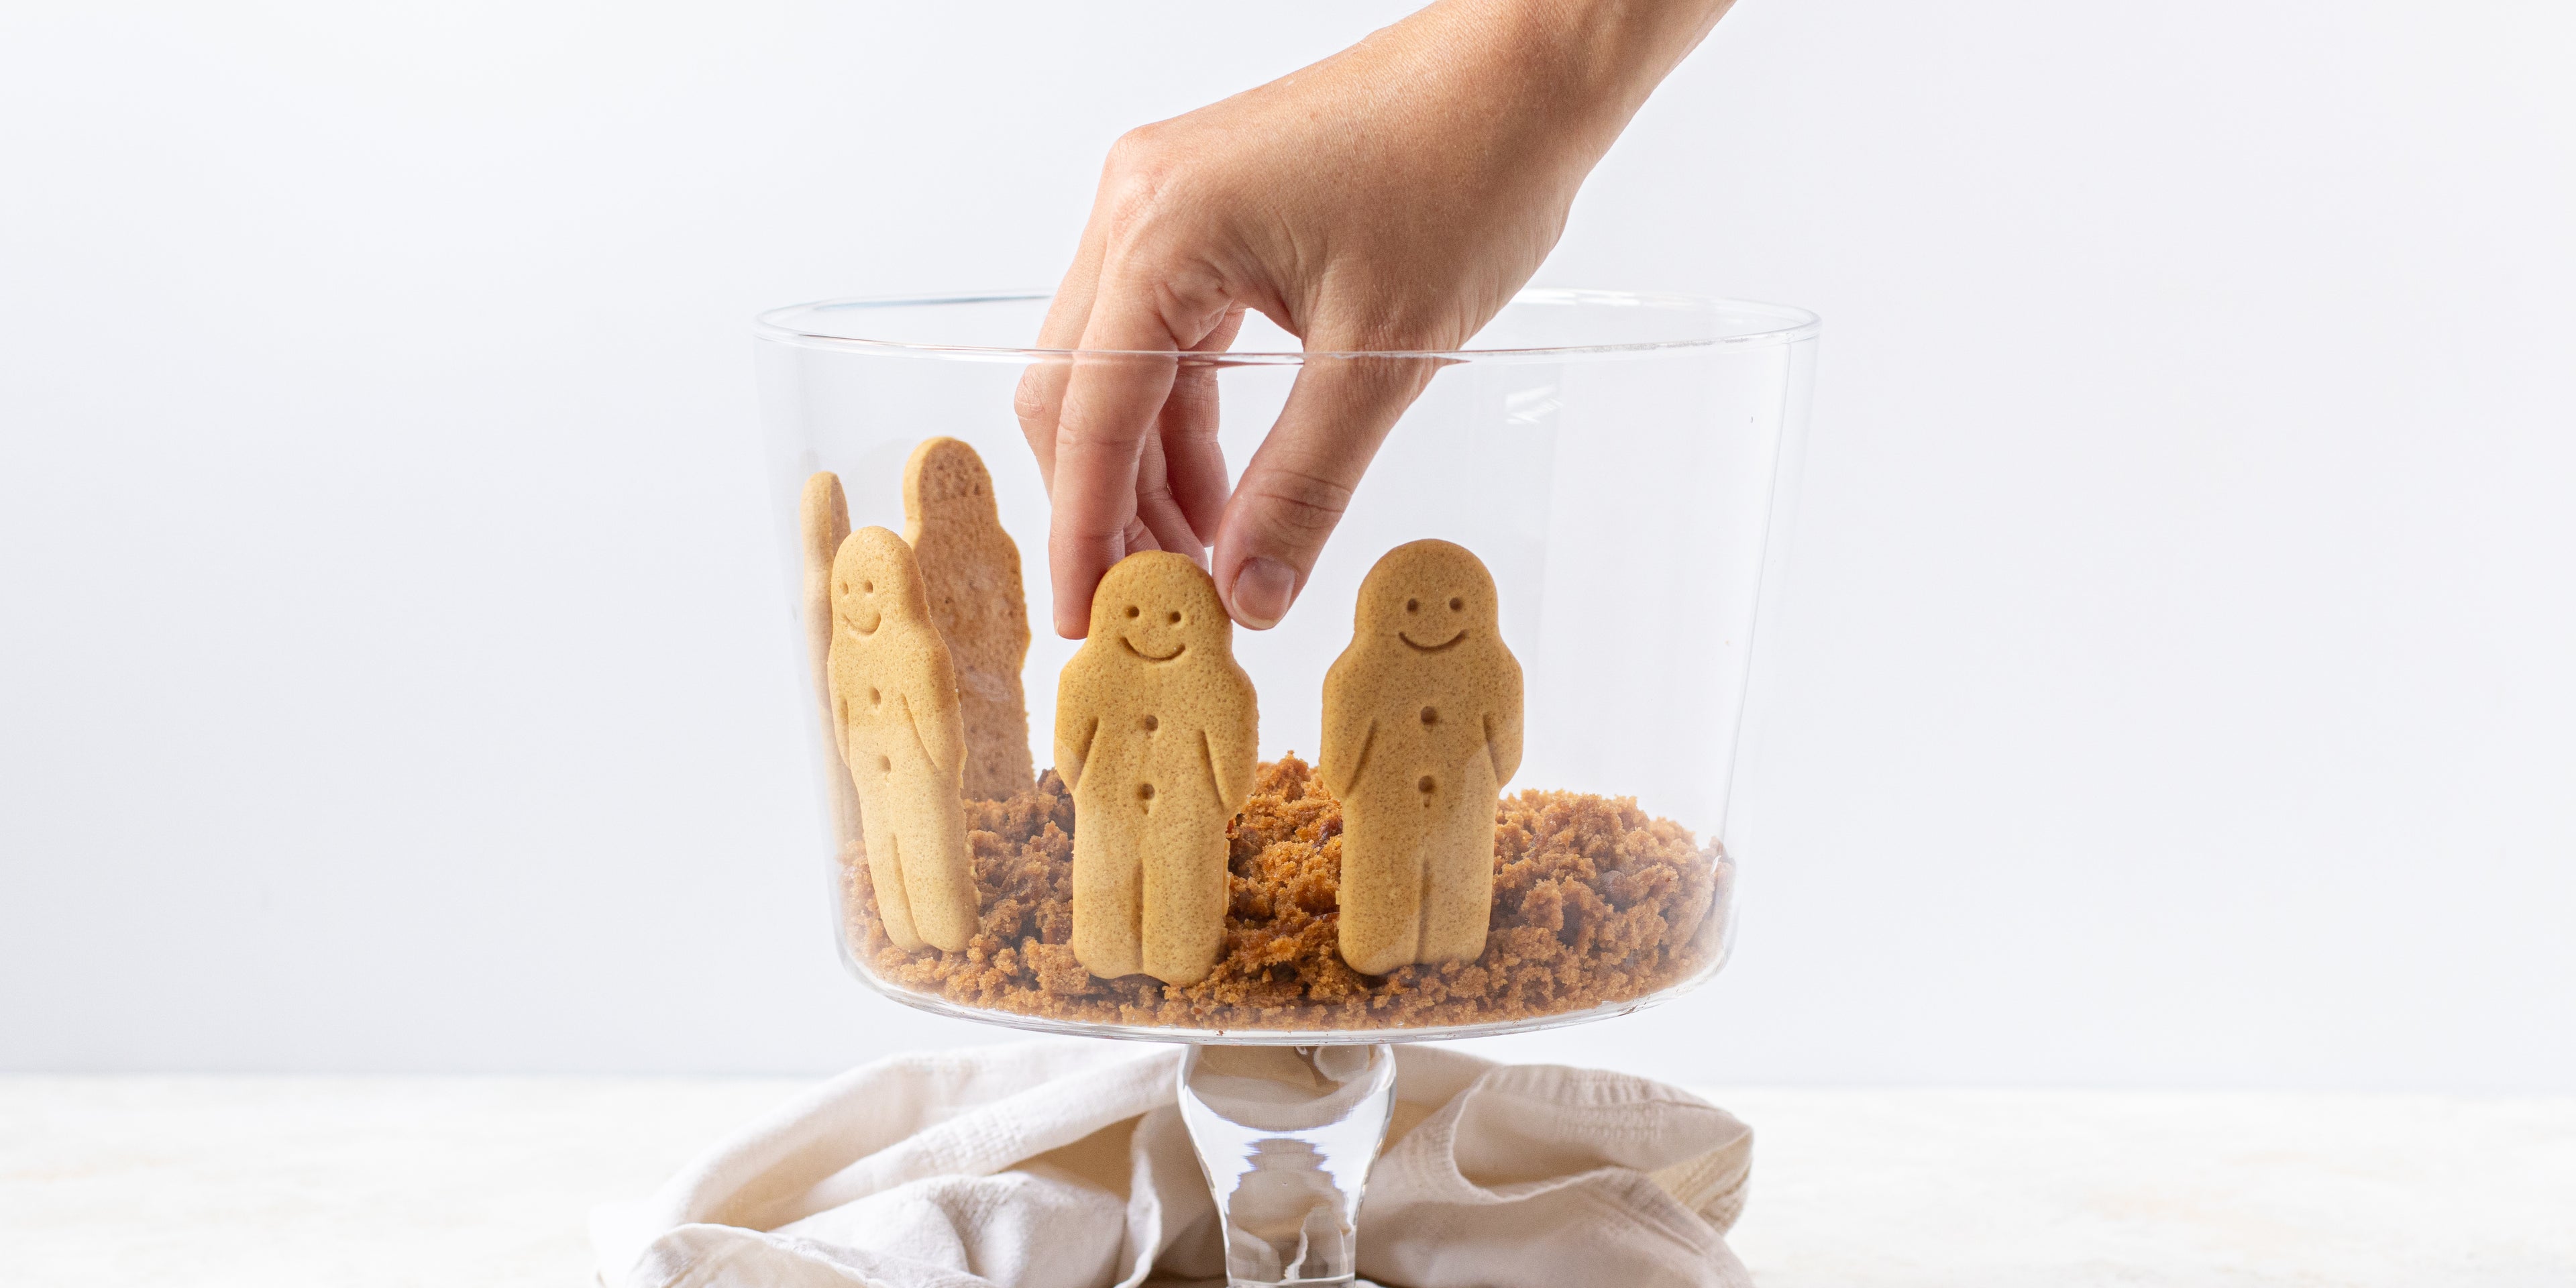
(1787, 324)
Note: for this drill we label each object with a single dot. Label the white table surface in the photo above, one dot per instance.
(284, 1182)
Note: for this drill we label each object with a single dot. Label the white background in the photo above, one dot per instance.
(2181, 679)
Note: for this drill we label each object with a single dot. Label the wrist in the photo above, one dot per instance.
(1586, 65)
(1611, 52)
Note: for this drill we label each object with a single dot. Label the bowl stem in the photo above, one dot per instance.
(1286, 1136)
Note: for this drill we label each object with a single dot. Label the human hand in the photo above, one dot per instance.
(1391, 198)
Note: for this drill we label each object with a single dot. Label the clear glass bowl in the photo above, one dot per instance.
(1621, 464)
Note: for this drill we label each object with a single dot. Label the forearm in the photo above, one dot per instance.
(1583, 67)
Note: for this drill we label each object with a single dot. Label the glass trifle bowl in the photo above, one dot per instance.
(1475, 782)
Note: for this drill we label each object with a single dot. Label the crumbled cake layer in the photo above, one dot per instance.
(1595, 902)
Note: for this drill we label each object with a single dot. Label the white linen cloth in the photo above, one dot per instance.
(1065, 1164)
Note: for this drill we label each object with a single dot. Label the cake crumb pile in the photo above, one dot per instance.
(1595, 903)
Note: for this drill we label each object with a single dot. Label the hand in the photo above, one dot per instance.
(1390, 198)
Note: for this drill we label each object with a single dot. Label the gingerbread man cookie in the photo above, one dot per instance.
(823, 520)
(1422, 727)
(972, 571)
(894, 701)
(1156, 732)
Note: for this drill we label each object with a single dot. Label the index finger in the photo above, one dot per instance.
(1113, 393)
(1039, 400)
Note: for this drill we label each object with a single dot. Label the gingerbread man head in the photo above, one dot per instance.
(1159, 608)
(1429, 598)
(875, 582)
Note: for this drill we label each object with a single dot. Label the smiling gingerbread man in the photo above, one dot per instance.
(1156, 732)
(1422, 727)
(894, 708)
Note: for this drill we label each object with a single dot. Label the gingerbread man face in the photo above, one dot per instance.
(1429, 598)
(873, 581)
(1159, 619)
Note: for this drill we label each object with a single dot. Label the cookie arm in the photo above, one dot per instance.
(1075, 723)
(935, 718)
(1234, 750)
(836, 704)
(1503, 721)
(1347, 725)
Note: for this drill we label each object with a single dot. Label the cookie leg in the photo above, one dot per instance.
(885, 873)
(1185, 896)
(1106, 904)
(939, 877)
(1381, 912)
(1458, 894)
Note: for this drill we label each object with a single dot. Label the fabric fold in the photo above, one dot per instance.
(1065, 1164)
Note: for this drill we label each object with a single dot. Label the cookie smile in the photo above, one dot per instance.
(1177, 650)
(1430, 648)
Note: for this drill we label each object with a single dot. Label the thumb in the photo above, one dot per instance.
(1296, 488)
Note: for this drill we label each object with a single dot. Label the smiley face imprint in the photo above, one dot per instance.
(1413, 608)
(1177, 650)
(862, 616)
(1172, 618)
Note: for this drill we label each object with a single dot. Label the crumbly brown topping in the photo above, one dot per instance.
(1595, 902)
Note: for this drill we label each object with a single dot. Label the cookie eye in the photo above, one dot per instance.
(1152, 724)
(1430, 716)
(1456, 604)
(1131, 610)
(1413, 605)
(869, 587)
(1176, 619)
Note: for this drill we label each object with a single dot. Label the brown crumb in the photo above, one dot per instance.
(1595, 902)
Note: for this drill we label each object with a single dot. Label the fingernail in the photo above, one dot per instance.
(1263, 589)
